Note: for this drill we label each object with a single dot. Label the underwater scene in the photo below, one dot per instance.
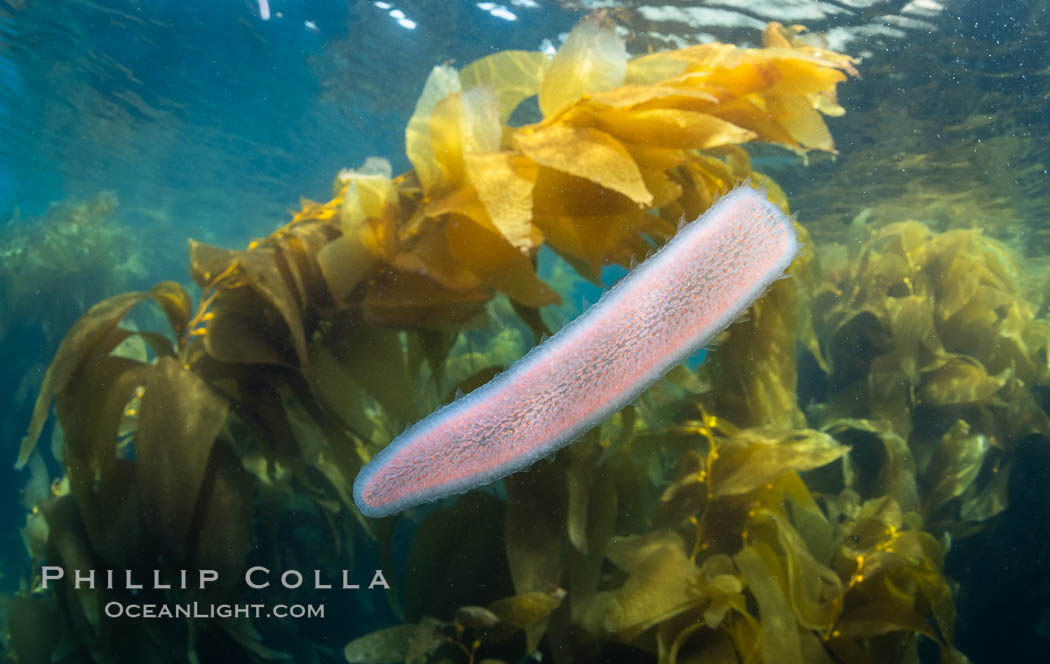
(570, 331)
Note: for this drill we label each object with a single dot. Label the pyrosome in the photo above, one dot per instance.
(651, 320)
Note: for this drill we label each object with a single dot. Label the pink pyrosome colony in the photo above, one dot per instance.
(653, 319)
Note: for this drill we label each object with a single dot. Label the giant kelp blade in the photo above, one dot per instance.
(323, 443)
(764, 575)
(580, 475)
(336, 388)
(629, 552)
(31, 625)
(175, 302)
(244, 330)
(434, 346)
(373, 357)
(590, 225)
(663, 584)
(430, 256)
(90, 411)
(693, 643)
(207, 262)
(442, 576)
(983, 501)
(344, 262)
(529, 611)
(881, 617)
(955, 465)
(296, 252)
(512, 75)
(804, 123)
(655, 164)
(497, 262)
(644, 97)
(759, 354)
(534, 525)
(671, 128)
(593, 58)
(402, 643)
(442, 82)
(112, 516)
(759, 457)
(223, 529)
(504, 183)
(407, 298)
(179, 419)
(814, 590)
(74, 550)
(265, 276)
(586, 153)
(264, 271)
(450, 135)
(959, 379)
(654, 67)
(895, 478)
(84, 335)
(160, 344)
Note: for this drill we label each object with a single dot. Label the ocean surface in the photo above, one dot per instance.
(855, 472)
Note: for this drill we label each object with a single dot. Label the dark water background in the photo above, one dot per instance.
(208, 122)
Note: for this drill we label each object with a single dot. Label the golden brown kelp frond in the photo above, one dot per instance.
(402, 643)
(622, 140)
(428, 248)
(776, 92)
(933, 339)
(613, 143)
(895, 588)
(735, 559)
(164, 457)
(953, 314)
(675, 588)
(92, 340)
(179, 493)
(473, 630)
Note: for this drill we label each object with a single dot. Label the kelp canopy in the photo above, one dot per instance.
(722, 518)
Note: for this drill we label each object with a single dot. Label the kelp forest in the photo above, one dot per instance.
(789, 499)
